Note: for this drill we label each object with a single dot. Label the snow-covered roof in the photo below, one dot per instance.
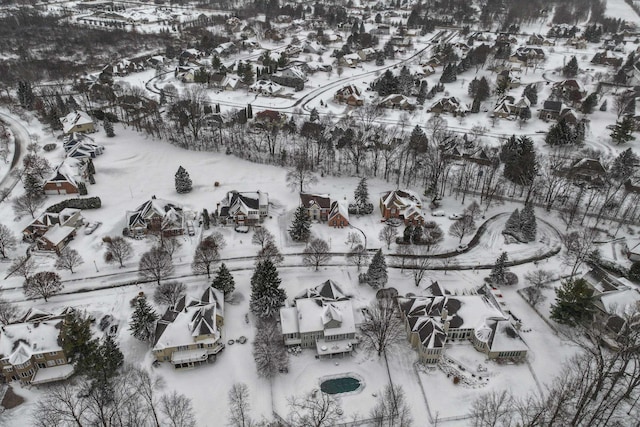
(326, 291)
(19, 341)
(621, 302)
(339, 208)
(312, 314)
(73, 119)
(58, 233)
(51, 374)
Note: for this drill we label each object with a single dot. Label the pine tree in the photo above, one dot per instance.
(623, 130)
(107, 359)
(528, 224)
(377, 273)
(108, 128)
(512, 226)
(361, 194)
(143, 320)
(624, 165)
(77, 340)
(589, 103)
(266, 295)
(531, 93)
(224, 280)
(571, 68)
(483, 91)
(300, 230)
(314, 116)
(497, 275)
(573, 302)
(249, 111)
(183, 182)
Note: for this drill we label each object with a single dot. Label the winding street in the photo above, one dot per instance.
(22, 138)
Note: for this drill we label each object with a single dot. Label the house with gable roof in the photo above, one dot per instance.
(68, 178)
(449, 105)
(431, 321)
(243, 208)
(81, 146)
(31, 349)
(338, 215)
(77, 121)
(350, 95)
(189, 334)
(317, 206)
(68, 217)
(402, 204)
(322, 318)
(156, 216)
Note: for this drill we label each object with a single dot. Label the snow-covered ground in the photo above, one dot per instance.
(620, 9)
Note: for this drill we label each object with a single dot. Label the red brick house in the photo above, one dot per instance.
(56, 238)
(317, 206)
(156, 216)
(339, 215)
(350, 95)
(402, 204)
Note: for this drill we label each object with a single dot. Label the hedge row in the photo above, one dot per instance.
(88, 203)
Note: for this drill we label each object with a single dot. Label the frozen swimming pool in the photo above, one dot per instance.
(340, 385)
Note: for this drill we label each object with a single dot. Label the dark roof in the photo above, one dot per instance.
(552, 106)
(250, 202)
(322, 201)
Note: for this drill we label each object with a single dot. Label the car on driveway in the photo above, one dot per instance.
(437, 213)
(91, 227)
(456, 216)
(462, 248)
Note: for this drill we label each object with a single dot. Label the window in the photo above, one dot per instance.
(51, 363)
(39, 356)
(60, 361)
(42, 365)
(53, 353)
(183, 347)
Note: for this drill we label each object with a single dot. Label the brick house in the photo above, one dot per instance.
(243, 208)
(339, 215)
(69, 217)
(402, 204)
(56, 238)
(317, 206)
(350, 95)
(156, 216)
(68, 178)
(31, 349)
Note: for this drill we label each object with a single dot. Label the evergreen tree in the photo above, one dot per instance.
(387, 84)
(361, 195)
(634, 272)
(525, 114)
(519, 157)
(106, 361)
(25, 95)
(108, 128)
(224, 281)
(407, 234)
(571, 68)
(314, 115)
(531, 93)
(623, 130)
(300, 230)
(33, 185)
(589, 103)
(497, 275)
(77, 341)
(512, 226)
(449, 74)
(377, 273)
(143, 320)
(528, 224)
(573, 302)
(422, 93)
(624, 165)
(183, 182)
(249, 111)
(266, 295)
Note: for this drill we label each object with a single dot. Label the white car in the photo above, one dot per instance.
(456, 216)
(91, 227)
(437, 213)
(462, 248)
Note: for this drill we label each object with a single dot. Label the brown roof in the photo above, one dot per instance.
(307, 199)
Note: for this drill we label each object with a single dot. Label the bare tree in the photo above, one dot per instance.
(169, 244)
(68, 259)
(44, 284)
(118, 249)
(28, 203)
(353, 239)
(448, 263)
(60, 406)
(392, 408)
(358, 256)
(207, 253)
(168, 293)
(493, 409)
(419, 266)
(271, 252)
(382, 327)
(462, 227)
(9, 312)
(269, 351)
(7, 240)
(314, 409)
(404, 252)
(538, 278)
(36, 165)
(155, 264)
(579, 247)
(388, 235)
(301, 176)
(239, 405)
(23, 266)
(177, 410)
(262, 236)
(316, 253)
(533, 294)
(148, 387)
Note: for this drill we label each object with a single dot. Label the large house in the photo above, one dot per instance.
(317, 206)
(508, 107)
(402, 204)
(68, 178)
(266, 88)
(77, 121)
(338, 215)
(156, 216)
(243, 208)
(350, 95)
(190, 333)
(450, 105)
(320, 318)
(31, 349)
(68, 217)
(431, 321)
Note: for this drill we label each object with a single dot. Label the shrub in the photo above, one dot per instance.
(49, 147)
(86, 203)
(634, 272)
(510, 278)
(456, 380)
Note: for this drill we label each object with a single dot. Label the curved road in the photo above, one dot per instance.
(22, 138)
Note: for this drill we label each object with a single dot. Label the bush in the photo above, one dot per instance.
(365, 209)
(49, 147)
(456, 380)
(634, 272)
(87, 203)
(510, 278)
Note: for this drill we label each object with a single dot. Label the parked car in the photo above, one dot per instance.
(456, 216)
(462, 248)
(91, 227)
(191, 229)
(437, 213)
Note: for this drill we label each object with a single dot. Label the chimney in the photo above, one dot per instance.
(444, 314)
